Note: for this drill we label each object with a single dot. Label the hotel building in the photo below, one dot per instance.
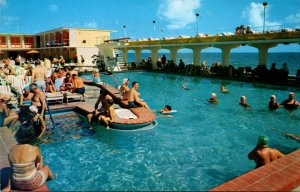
(64, 42)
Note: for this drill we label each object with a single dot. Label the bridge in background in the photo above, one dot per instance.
(263, 42)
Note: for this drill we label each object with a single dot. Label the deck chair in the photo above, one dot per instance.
(55, 97)
(72, 96)
(5, 89)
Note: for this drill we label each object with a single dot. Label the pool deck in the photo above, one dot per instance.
(280, 175)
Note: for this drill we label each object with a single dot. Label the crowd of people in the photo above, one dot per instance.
(104, 110)
(262, 153)
(26, 159)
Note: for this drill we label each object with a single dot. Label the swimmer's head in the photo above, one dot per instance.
(262, 140)
(213, 95)
(273, 97)
(168, 107)
(243, 97)
(291, 95)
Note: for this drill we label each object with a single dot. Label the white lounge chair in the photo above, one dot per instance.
(55, 97)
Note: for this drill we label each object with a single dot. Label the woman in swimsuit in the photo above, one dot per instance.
(27, 170)
(273, 104)
(67, 83)
(291, 103)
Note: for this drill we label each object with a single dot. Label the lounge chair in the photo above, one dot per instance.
(55, 97)
(72, 96)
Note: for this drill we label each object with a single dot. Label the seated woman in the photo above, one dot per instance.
(244, 102)
(27, 170)
(213, 98)
(167, 108)
(50, 86)
(67, 83)
(124, 89)
(223, 89)
(273, 104)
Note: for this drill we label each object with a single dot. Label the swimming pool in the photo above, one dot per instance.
(200, 147)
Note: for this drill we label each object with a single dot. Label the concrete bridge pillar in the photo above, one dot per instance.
(226, 53)
(124, 55)
(154, 54)
(137, 54)
(197, 54)
(263, 52)
(173, 53)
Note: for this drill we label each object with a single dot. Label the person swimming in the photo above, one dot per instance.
(244, 102)
(223, 89)
(167, 108)
(273, 104)
(262, 153)
(213, 98)
(290, 103)
(184, 87)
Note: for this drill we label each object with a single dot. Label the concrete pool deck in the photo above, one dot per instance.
(280, 175)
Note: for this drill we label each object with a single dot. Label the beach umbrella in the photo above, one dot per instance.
(32, 52)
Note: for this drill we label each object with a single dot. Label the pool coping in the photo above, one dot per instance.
(280, 175)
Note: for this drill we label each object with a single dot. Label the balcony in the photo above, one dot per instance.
(54, 43)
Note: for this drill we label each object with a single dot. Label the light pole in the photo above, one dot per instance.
(153, 28)
(265, 5)
(197, 17)
(124, 31)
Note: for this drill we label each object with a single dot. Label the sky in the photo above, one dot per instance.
(172, 17)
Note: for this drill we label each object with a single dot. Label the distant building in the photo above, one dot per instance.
(64, 42)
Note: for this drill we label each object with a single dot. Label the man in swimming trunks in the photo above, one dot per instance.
(291, 103)
(124, 89)
(262, 153)
(27, 170)
(38, 99)
(78, 84)
(134, 99)
(39, 76)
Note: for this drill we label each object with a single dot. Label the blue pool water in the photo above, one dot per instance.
(198, 148)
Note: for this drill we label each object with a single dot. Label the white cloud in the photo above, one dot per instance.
(293, 18)
(2, 4)
(53, 7)
(255, 15)
(7, 20)
(92, 25)
(178, 13)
